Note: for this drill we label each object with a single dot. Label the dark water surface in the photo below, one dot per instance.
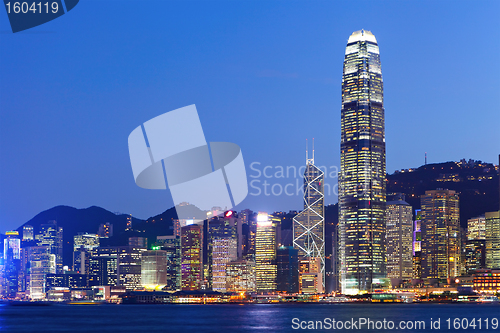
(237, 318)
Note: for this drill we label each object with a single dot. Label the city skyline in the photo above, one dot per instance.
(67, 114)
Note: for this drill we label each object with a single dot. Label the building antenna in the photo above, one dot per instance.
(307, 155)
(313, 152)
(425, 158)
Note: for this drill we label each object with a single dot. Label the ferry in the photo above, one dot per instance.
(488, 299)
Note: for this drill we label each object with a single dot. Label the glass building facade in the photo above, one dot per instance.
(309, 224)
(192, 257)
(492, 234)
(265, 254)
(399, 231)
(362, 189)
(441, 255)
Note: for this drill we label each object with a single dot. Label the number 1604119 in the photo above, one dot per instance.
(33, 7)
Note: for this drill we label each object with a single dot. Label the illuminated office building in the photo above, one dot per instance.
(399, 239)
(475, 255)
(172, 246)
(440, 234)
(492, 235)
(220, 228)
(41, 262)
(85, 241)
(362, 167)
(129, 267)
(224, 250)
(192, 257)
(310, 277)
(11, 263)
(476, 228)
(51, 235)
(417, 245)
(103, 262)
(81, 261)
(475, 246)
(154, 269)
(240, 276)
(117, 266)
(82, 244)
(265, 254)
(309, 224)
(288, 269)
(28, 233)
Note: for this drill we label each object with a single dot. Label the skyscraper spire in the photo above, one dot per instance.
(313, 152)
(307, 155)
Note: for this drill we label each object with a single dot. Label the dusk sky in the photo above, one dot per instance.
(265, 75)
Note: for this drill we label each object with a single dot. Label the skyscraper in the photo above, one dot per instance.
(224, 250)
(52, 236)
(309, 224)
(172, 245)
(362, 167)
(265, 254)
(440, 234)
(493, 240)
(27, 233)
(399, 229)
(287, 263)
(240, 276)
(476, 228)
(192, 257)
(41, 263)
(154, 268)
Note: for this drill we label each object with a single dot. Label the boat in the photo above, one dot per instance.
(488, 299)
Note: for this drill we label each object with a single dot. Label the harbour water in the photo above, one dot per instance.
(247, 318)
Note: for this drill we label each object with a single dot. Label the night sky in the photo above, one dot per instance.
(265, 75)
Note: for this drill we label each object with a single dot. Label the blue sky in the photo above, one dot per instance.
(263, 74)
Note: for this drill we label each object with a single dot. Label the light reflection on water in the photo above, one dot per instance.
(218, 318)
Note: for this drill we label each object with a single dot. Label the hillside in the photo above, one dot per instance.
(75, 220)
(476, 182)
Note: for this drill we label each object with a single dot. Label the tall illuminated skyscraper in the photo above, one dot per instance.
(309, 224)
(192, 257)
(362, 167)
(441, 253)
(265, 254)
(493, 239)
(399, 240)
(52, 236)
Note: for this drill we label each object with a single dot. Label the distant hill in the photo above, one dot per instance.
(475, 181)
(75, 220)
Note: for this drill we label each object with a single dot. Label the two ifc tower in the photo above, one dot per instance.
(362, 189)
